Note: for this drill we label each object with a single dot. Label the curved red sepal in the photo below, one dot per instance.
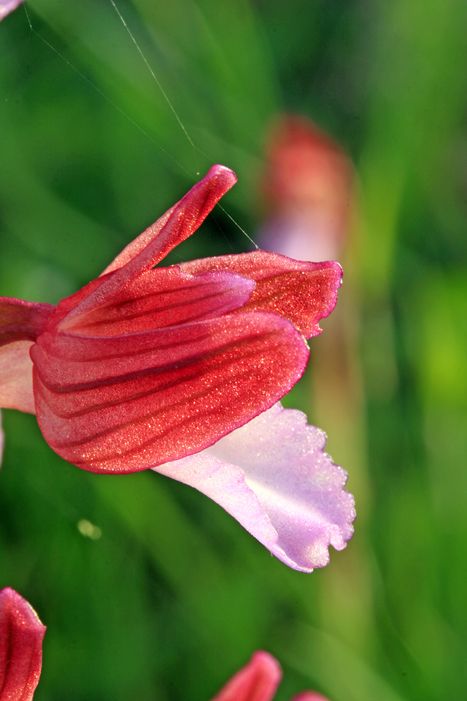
(180, 222)
(21, 634)
(302, 292)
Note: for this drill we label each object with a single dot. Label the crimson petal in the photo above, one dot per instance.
(21, 634)
(126, 403)
(153, 244)
(163, 297)
(302, 292)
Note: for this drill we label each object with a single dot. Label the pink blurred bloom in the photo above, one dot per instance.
(307, 187)
(146, 366)
(258, 681)
(7, 6)
(21, 634)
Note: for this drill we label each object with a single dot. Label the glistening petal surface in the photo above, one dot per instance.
(126, 403)
(274, 477)
(163, 297)
(257, 681)
(302, 292)
(21, 634)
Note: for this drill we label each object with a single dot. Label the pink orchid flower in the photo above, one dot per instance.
(21, 634)
(154, 368)
(258, 681)
(7, 6)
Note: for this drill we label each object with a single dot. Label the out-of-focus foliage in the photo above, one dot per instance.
(149, 591)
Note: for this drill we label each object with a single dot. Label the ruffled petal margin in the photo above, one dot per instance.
(21, 634)
(274, 477)
(257, 681)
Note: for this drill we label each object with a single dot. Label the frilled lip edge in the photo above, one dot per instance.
(274, 477)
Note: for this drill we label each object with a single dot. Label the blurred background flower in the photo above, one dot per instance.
(307, 190)
(172, 596)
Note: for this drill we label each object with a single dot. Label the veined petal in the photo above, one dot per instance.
(309, 696)
(257, 681)
(16, 377)
(152, 245)
(21, 634)
(274, 477)
(302, 292)
(163, 297)
(127, 403)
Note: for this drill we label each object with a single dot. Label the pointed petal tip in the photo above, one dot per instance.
(23, 612)
(222, 171)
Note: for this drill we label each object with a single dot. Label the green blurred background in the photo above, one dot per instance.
(150, 591)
